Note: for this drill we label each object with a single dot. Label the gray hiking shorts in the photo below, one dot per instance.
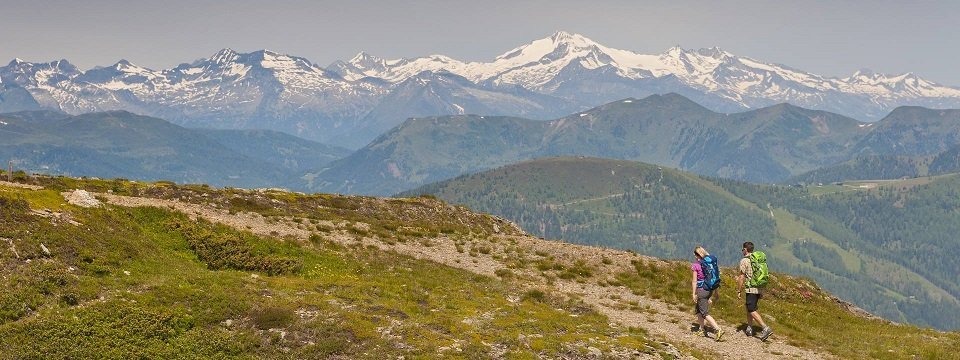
(703, 302)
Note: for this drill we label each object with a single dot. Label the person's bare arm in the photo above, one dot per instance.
(693, 284)
(740, 280)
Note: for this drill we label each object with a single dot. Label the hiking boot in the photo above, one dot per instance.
(701, 332)
(720, 334)
(748, 330)
(766, 333)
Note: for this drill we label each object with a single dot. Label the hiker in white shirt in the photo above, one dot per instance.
(753, 294)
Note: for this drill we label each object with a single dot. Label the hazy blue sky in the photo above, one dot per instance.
(833, 38)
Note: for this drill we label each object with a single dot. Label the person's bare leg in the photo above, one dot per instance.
(712, 322)
(756, 316)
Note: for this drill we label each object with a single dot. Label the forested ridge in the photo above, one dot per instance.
(912, 224)
(879, 247)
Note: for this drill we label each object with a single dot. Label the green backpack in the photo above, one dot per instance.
(758, 261)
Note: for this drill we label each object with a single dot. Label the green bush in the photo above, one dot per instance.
(271, 317)
(504, 273)
(535, 295)
(8, 204)
(230, 250)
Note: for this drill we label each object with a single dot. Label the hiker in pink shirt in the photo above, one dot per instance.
(701, 296)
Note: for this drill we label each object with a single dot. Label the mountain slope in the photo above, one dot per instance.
(121, 144)
(913, 130)
(260, 89)
(423, 150)
(866, 167)
(139, 275)
(580, 69)
(763, 145)
(349, 102)
(665, 213)
(609, 203)
(895, 223)
(946, 162)
(430, 94)
(276, 148)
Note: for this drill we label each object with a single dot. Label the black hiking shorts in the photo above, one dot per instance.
(752, 300)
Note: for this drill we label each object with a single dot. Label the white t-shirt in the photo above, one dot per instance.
(747, 270)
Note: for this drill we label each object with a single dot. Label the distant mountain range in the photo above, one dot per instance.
(349, 103)
(764, 145)
(121, 144)
(774, 144)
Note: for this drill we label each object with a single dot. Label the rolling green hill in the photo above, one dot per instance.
(864, 167)
(424, 150)
(906, 224)
(122, 144)
(611, 203)
(912, 130)
(946, 162)
(286, 275)
(276, 148)
(767, 145)
(629, 205)
(883, 167)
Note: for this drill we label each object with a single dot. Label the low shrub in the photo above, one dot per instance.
(230, 250)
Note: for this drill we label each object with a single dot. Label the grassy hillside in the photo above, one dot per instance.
(611, 203)
(896, 229)
(151, 282)
(628, 205)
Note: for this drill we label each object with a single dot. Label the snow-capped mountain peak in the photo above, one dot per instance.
(360, 66)
(868, 76)
(365, 58)
(555, 47)
(715, 52)
(224, 56)
(284, 92)
(125, 66)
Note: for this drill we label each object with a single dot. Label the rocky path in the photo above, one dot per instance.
(660, 319)
(19, 185)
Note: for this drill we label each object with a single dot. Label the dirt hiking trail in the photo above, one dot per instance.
(662, 321)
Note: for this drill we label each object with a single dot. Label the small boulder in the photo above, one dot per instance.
(594, 352)
(82, 198)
